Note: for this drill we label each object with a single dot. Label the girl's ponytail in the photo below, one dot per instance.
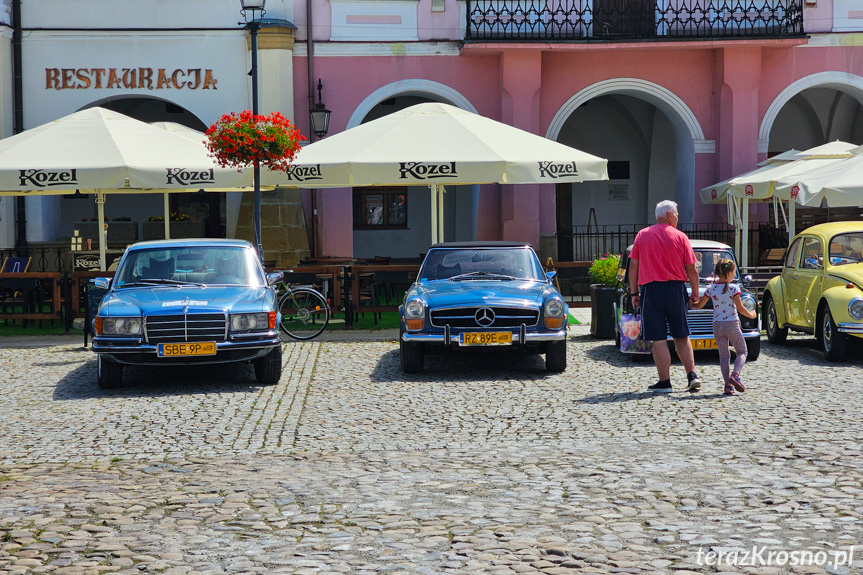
(723, 268)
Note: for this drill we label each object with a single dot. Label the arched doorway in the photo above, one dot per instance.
(812, 111)
(207, 207)
(649, 137)
(396, 221)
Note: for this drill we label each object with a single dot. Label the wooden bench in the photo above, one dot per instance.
(772, 257)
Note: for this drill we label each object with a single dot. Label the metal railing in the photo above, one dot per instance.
(615, 20)
(591, 242)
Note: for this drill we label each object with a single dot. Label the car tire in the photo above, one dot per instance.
(775, 334)
(555, 356)
(411, 356)
(268, 369)
(753, 348)
(110, 374)
(834, 343)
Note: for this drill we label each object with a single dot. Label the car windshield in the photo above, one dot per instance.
(481, 263)
(846, 249)
(178, 265)
(707, 260)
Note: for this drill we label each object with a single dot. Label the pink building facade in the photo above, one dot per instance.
(674, 101)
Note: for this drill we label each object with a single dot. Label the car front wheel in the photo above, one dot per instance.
(775, 334)
(834, 343)
(753, 348)
(268, 369)
(110, 374)
(411, 356)
(555, 356)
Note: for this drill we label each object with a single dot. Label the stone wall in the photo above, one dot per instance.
(283, 226)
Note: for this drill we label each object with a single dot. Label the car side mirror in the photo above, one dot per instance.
(102, 283)
(550, 276)
(275, 277)
(747, 280)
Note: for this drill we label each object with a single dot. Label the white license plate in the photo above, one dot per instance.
(186, 349)
(486, 338)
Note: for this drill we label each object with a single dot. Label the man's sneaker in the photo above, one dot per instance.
(663, 386)
(729, 389)
(694, 382)
(735, 381)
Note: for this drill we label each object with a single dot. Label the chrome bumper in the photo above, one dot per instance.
(116, 345)
(518, 337)
(852, 328)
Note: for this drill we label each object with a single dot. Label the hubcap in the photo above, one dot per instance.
(771, 317)
(828, 330)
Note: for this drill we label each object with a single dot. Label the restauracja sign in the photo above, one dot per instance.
(129, 79)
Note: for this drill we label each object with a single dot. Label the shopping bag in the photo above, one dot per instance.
(632, 335)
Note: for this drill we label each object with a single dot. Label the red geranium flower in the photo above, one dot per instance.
(248, 139)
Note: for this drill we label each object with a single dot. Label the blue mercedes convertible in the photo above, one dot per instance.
(474, 295)
(187, 302)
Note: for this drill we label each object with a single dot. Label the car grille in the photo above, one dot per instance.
(700, 322)
(185, 327)
(466, 317)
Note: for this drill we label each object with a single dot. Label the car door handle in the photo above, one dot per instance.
(794, 277)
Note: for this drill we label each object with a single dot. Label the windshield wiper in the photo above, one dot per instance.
(158, 281)
(481, 275)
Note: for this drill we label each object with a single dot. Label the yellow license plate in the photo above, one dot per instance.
(491, 338)
(186, 349)
(703, 344)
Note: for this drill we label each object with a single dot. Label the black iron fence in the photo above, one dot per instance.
(591, 242)
(615, 20)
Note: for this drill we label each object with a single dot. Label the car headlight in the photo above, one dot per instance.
(855, 308)
(249, 321)
(554, 314)
(554, 308)
(749, 302)
(414, 309)
(119, 325)
(415, 314)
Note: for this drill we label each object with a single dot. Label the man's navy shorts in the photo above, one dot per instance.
(664, 303)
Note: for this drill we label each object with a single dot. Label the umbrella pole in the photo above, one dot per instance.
(792, 220)
(167, 218)
(744, 248)
(433, 189)
(440, 192)
(100, 206)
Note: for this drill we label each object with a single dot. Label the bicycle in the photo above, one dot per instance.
(305, 312)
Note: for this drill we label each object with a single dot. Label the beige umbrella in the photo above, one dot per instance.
(100, 151)
(435, 145)
(839, 184)
(758, 184)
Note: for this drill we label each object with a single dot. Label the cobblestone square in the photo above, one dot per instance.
(484, 463)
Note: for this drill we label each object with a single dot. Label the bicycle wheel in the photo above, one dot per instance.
(305, 313)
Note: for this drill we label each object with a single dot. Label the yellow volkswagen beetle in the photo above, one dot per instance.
(820, 291)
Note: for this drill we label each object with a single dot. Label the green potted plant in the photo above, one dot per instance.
(603, 293)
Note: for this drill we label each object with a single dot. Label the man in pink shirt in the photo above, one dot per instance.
(662, 260)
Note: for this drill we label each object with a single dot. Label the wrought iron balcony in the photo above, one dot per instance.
(616, 20)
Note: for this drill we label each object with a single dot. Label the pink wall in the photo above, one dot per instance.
(728, 86)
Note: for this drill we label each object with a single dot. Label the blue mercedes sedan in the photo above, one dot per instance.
(188, 302)
(474, 295)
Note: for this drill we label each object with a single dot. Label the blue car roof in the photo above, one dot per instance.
(199, 242)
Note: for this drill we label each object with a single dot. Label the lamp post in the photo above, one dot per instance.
(253, 12)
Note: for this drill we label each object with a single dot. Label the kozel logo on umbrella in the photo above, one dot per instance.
(185, 177)
(48, 178)
(425, 171)
(557, 170)
(304, 173)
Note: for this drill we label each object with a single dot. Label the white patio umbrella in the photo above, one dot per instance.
(100, 151)
(437, 144)
(758, 184)
(839, 184)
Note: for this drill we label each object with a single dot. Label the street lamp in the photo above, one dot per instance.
(320, 116)
(253, 12)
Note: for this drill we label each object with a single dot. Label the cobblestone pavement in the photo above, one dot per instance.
(485, 463)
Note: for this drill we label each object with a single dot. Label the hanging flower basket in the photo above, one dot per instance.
(245, 139)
